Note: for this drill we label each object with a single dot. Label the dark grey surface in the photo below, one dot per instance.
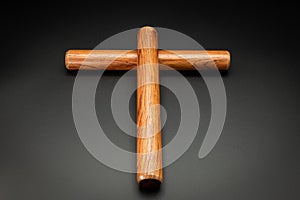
(257, 156)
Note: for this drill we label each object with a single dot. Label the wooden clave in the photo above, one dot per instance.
(146, 60)
(149, 144)
(127, 59)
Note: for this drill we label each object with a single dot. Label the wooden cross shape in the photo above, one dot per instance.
(147, 58)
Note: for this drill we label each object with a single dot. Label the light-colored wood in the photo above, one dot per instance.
(149, 155)
(127, 59)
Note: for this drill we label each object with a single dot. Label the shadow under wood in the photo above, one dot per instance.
(187, 73)
(191, 73)
(149, 186)
(94, 73)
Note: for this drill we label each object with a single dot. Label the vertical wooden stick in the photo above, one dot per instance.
(149, 155)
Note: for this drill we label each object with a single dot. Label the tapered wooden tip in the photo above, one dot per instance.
(147, 38)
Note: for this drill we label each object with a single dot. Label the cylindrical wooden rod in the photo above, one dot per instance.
(127, 59)
(149, 155)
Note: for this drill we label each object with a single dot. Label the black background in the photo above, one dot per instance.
(257, 156)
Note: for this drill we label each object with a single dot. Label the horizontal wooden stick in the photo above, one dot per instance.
(127, 59)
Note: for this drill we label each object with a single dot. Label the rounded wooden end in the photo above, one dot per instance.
(228, 60)
(147, 38)
(67, 56)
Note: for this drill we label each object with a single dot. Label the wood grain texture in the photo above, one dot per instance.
(127, 59)
(149, 155)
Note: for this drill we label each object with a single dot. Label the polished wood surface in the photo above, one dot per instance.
(148, 61)
(149, 155)
(127, 59)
